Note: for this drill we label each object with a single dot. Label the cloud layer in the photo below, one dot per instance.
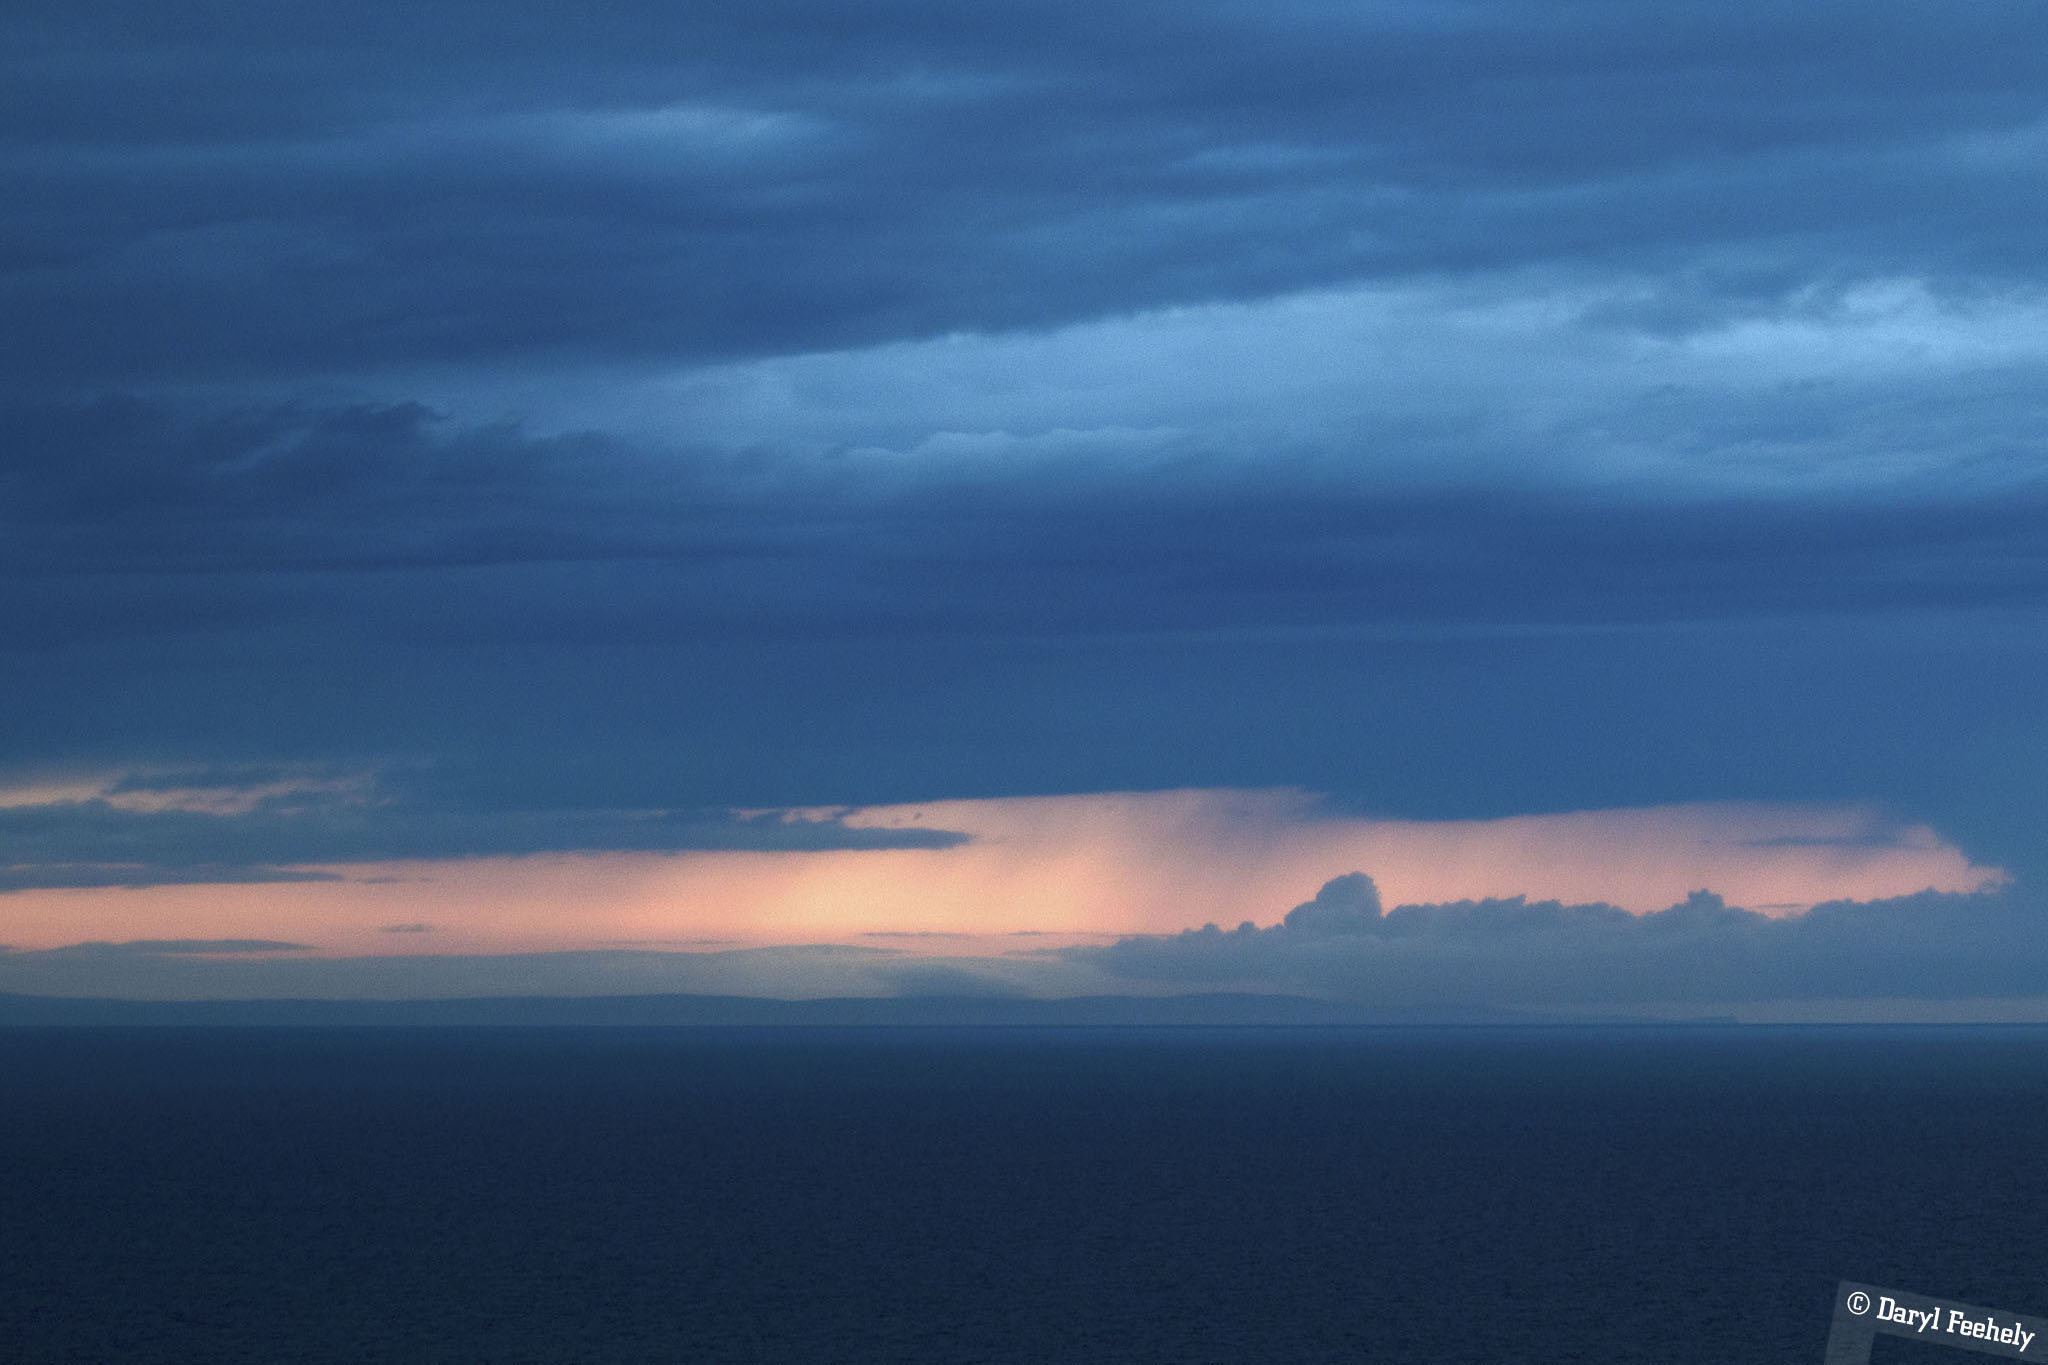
(1512, 952)
(593, 429)
(313, 193)
(168, 829)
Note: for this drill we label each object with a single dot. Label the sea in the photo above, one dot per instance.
(814, 1194)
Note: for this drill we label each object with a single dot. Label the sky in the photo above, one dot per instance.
(1526, 503)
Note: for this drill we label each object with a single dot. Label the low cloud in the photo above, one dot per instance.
(182, 947)
(1514, 952)
(82, 876)
(284, 832)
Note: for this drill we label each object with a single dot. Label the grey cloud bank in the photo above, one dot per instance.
(1512, 953)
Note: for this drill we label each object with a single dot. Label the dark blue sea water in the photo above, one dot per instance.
(804, 1195)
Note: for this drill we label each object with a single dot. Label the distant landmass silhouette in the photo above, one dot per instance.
(1217, 1009)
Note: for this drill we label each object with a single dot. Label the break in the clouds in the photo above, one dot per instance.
(966, 879)
(596, 426)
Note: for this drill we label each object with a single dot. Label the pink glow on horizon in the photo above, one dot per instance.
(1160, 861)
(1066, 866)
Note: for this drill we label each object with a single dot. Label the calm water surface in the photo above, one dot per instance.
(995, 1195)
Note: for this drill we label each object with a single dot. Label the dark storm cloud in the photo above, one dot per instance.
(95, 843)
(239, 190)
(590, 623)
(121, 517)
(1507, 952)
(662, 408)
(122, 485)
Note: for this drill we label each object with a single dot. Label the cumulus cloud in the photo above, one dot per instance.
(1513, 952)
(1349, 904)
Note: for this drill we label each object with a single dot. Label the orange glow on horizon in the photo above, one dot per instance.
(1066, 866)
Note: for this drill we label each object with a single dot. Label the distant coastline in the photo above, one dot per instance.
(1214, 1009)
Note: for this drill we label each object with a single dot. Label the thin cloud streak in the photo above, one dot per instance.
(259, 827)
